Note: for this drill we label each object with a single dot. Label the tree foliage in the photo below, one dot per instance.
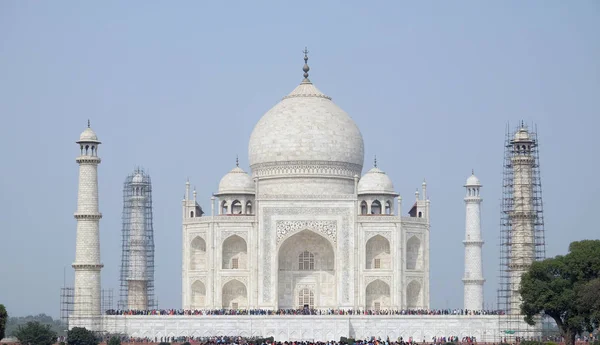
(34, 333)
(3, 319)
(563, 288)
(114, 340)
(81, 336)
(14, 322)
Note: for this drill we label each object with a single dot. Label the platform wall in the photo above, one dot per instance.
(484, 328)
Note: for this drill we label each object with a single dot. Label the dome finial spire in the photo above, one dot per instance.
(375, 162)
(88, 123)
(306, 68)
(237, 161)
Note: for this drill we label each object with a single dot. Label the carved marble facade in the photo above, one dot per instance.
(304, 228)
(296, 253)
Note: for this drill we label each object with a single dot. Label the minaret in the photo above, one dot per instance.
(137, 279)
(87, 264)
(523, 215)
(473, 277)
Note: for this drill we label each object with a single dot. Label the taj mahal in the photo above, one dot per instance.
(302, 229)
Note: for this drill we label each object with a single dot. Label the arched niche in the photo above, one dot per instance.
(198, 254)
(414, 295)
(198, 295)
(378, 295)
(414, 254)
(306, 260)
(234, 295)
(235, 253)
(378, 253)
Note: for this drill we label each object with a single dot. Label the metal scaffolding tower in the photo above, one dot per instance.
(137, 259)
(522, 239)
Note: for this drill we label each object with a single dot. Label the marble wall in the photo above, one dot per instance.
(485, 328)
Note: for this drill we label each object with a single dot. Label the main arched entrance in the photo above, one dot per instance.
(306, 276)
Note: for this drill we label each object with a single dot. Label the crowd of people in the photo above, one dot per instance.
(225, 340)
(303, 311)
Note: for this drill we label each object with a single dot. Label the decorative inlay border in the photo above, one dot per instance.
(286, 228)
(306, 168)
(307, 197)
(386, 234)
(385, 279)
(269, 235)
(228, 233)
(227, 279)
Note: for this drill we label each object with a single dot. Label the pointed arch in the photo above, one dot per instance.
(378, 253)
(376, 207)
(198, 295)
(306, 260)
(198, 254)
(413, 295)
(236, 207)
(364, 209)
(234, 295)
(235, 253)
(414, 254)
(224, 207)
(377, 295)
(388, 207)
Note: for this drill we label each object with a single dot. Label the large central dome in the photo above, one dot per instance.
(307, 133)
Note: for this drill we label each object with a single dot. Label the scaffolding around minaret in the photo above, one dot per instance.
(522, 239)
(137, 258)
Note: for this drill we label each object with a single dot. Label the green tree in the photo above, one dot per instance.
(81, 336)
(3, 319)
(114, 340)
(34, 333)
(559, 287)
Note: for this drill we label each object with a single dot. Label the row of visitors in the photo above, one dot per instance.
(304, 311)
(223, 340)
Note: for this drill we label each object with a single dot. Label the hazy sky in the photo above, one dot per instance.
(176, 87)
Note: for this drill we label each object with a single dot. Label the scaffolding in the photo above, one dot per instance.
(69, 306)
(67, 300)
(522, 239)
(137, 257)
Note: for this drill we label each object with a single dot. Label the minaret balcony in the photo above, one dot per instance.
(95, 216)
(88, 159)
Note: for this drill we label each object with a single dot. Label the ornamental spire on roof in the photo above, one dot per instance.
(306, 68)
(375, 162)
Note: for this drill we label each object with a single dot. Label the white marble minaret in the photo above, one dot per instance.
(87, 266)
(137, 279)
(473, 278)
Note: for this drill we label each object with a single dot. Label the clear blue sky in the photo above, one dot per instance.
(176, 87)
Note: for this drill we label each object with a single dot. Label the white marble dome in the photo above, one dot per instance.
(237, 181)
(375, 181)
(473, 181)
(306, 127)
(88, 135)
(522, 135)
(137, 178)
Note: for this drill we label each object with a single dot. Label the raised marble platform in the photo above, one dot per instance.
(486, 328)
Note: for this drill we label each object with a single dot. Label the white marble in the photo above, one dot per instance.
(473, 277)
(485, 328)
(87, 264)
(305, 229)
